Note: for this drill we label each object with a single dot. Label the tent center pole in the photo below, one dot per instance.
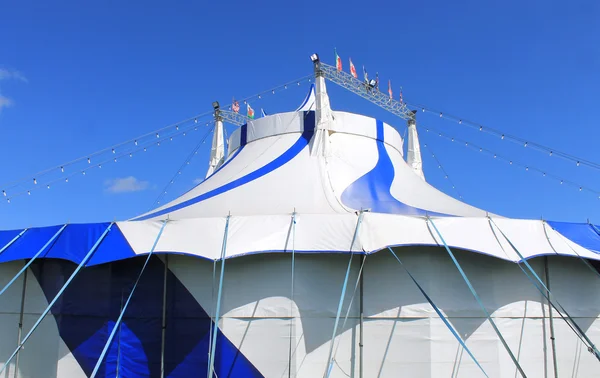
(20, 331)
(164, 319)
(552, 338)
(360, 335)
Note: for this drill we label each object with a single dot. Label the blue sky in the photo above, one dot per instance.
(78, 78)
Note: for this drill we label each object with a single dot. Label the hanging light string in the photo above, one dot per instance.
(527, 167)
(115, 157)
(172, 130)
(180, 170)
(515, 139)
(446, 175)
(272, 91)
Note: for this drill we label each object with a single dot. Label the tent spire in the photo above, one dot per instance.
(324, 115)
(217, 151)
(413, 156)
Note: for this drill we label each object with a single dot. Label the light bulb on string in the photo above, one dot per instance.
(28, 193)
(113, 151)
(115, 160)
(273, 91)
(8, 200)
(578, 164)
(480, 128)
(176, 127)
(4, 193)
(184, 133)
(62, 169)
(550, 153)
(423, 110)
(83, 173)
(460, 121)
(298, 83)
(130, 154)
(89, 161)
(440, 114)
(144, 149)
(158, 143)
(259, 96)
(158, 136)
(100, 166)
(195, 120)
(67, 179)
(135, 142)
(35, 181)
(502, 137)
(285, 86)
(48, 186)
(525, 145)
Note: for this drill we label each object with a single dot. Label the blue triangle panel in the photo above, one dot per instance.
(90, 306)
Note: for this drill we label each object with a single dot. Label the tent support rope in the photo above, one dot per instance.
(330, 358)
(545, 291)
(124, 309)
(52, 239)
(60, 292)
(552, 338)
(20, 330)
(477, 298)
(164, 318)
(12, 241)
(211, 360)
(439, 312)
(212, 313)
(292, 294)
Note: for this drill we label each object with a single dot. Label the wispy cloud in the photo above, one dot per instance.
(6, 74)
(198, 181)
(125, 185)
(5, 102)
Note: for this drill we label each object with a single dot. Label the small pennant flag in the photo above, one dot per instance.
(390, 88)
(377, 80)
(250, 111)
(401, 99)
(353, 70)
(235, 106)
(365, 74)
(338, 61)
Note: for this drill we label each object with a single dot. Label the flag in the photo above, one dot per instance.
(377, 80)
(250, 111)
(390, 88)
(401, 99)
(365, 74)
(338, 61)
(353, 70)
(235, 106)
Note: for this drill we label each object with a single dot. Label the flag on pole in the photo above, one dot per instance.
(235, 106)
(365, 74)
(353, 70)
(390, 88)
(377, 80)
(401, 99)
(338, 61)
(250, 111)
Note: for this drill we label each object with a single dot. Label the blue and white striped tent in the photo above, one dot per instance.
(284, 263)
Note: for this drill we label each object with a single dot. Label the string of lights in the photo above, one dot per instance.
(512, 138)
(446, 175)
(186, 162)
(14, 188)
(115, 157)
(513, 162)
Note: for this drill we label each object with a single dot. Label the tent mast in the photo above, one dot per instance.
(217, 151)
(324, 115)
(413, 153)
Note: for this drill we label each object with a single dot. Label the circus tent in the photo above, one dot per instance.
(313, 248)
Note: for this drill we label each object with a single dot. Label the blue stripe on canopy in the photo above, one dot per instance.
(72, 244)
(583, 234)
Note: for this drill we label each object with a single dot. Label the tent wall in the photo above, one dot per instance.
(401, 330)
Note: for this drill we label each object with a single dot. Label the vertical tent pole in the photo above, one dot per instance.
(60, 292)
(552, 338)
(472, 289)
(330, 358)
(52, 239)
(12, 241)
(292, 294)
(360, 335)
(549, 296)
(211, 361)
(120, 318)
(439, 312)
(20, 331)
(164, 319)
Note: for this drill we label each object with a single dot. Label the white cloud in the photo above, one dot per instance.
(10, 74)
(125, 185)
(5, 102)
(198, 181)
